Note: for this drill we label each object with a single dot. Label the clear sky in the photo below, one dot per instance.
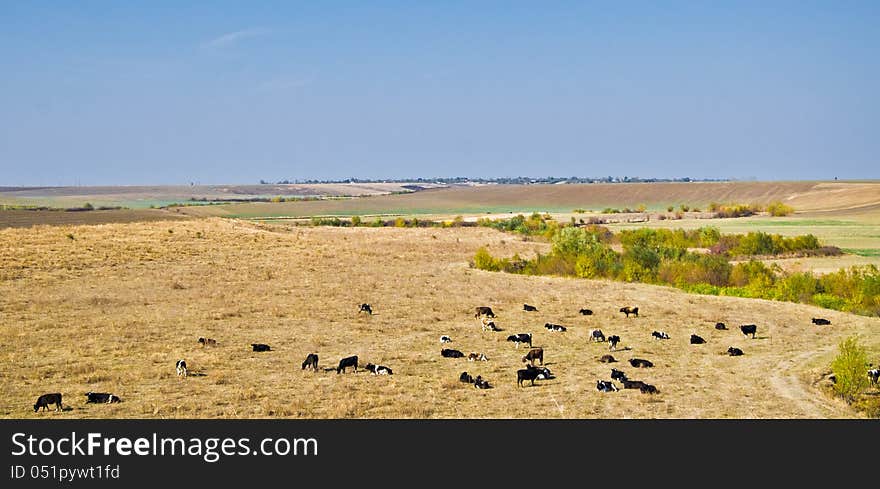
(234, 92)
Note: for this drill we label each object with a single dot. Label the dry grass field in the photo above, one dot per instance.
(28, 218)
(112, 309)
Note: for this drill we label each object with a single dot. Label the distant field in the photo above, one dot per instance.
(25, 218)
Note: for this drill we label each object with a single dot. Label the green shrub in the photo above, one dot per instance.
(355, 221)
(484, 261)
(778, 209)
(849, 369)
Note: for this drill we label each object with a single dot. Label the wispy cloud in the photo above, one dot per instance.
(233, 38)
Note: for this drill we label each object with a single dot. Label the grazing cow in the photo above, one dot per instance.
(311, 361)
(749, 329)
(521, 338)
(734, 352)
(477, 357)
(586, 312)
(46, 399)
(346, 362)
(465, 377)
(660, 335)
(632, 384)
(481, 383)
(607, 359)
(101, 397)
(181, 368)
(555, 327)
(527, 307)
(597, 335)
(696, 340)
(208, 341)
(488, 325)
(260, 347)
(606, 386)
(379, 369)
(532, 374)
(449, 353)
(821, 321)
(445, 339)
(534, 354)
(874, 375)
(648, 389)
(630, 310)
(720, 326)
(613, 340)
(618, 375)
(484, 311)
(365, 308)
(640, 363)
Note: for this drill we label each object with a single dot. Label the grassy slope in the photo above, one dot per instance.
(113, 310)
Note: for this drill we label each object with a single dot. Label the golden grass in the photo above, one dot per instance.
(114, 309)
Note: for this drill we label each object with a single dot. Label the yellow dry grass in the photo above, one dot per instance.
(113, 309)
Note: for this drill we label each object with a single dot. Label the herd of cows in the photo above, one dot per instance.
(534, 357)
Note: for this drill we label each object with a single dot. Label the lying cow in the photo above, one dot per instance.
(450, 353)
(696, 340)
(532, 374)
(648, 389)
(378, 369)
(445, 339)
(618, 375)
(660, 335)
(630, 310)
(607, 359)
(527, 307)
(613, 340)
(46, 399)
(534, 354)
(597, 335)
(477, 357)
(101, 397)
(208, 342)
(484, 311)
(521, 338)
(365, 308)
(260, 347)
(585, 312)
(606, 386)
(720, 326)
(632, 384)
(466, 377)
(734, 352)
(821, 321)
(311, 361)
(488, 325)
(555, 327)
(640, 363)
(749, 329)
(346, 362)
(481, 383)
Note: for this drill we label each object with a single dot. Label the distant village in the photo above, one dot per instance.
(500, 180)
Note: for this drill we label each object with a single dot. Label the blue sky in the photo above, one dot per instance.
(234, 92)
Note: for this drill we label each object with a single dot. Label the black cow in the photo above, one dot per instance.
(821, 321)
(618, 375)
(613, 340)
(366, 308)
(311, 361)
(101, 397)
(484, 311)
(660, 335)
(521, 338)
(450, 353)
(597, 335)
(208, 341)
(534, 354)
(720, 326)
(734, 352)
(346, 362)
(640, 363)
(607, 359)
(527, 307)
(586, 312)
(696, 340)
(465, 377)
(749, 329)
(481, 383)
(606, 386)
(632, 384)
(630, 310)
(379, 369)
(648, 389)
(46, 399)
(532, 374)
(260, 347)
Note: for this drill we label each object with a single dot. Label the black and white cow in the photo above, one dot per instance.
(181, 368)
(555, 327)
(874, 375)
(365, 308)
(613, 340)
(101, 397)
(597, 335)
(346, 362)
(477, 357)
(606, 386)
(660, 335)
(618, 375)
(749, 329)
(46, 399)
(481, 383)
(532, 374)
(519, 338)
(445, 339)
(378, 369)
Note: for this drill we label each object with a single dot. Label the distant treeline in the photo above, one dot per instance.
(86, 207)
(498, 180)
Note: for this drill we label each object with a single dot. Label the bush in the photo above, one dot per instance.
(484, 261)
(778, 209)
(355, 221)
(849, 369)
